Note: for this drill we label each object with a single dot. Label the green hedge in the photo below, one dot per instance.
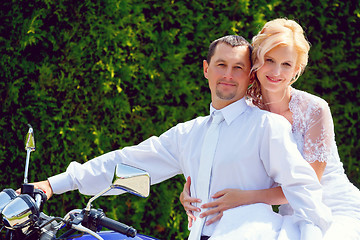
(94, 76)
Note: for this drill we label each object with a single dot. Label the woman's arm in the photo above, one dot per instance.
(229, 198)
(319, 137)
(319, 168)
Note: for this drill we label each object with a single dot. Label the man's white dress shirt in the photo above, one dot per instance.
(255, 151)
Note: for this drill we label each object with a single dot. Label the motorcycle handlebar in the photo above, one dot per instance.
(117, 226)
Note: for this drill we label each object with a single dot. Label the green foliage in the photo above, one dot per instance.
(95, 76)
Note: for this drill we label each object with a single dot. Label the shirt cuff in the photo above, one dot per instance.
(60, 183)
(309, 231)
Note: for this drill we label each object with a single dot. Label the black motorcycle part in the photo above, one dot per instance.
(96, 218)
(27, 189)
(117, 226)
(43, 198)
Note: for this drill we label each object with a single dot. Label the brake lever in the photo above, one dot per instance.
(81, 228)
(40, 198)
(75, 218)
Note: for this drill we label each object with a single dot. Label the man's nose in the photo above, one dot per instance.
(228, 73)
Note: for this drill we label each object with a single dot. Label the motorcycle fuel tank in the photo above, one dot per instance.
(110, 235)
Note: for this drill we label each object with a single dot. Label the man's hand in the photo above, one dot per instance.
(44, 186)
(225, 199)
(186, 200)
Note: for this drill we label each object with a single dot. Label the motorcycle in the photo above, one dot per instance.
(21, 215)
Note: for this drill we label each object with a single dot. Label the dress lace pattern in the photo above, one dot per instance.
(312, 126)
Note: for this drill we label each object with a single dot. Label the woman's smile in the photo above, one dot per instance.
(273, 79)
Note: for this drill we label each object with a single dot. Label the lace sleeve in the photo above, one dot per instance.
(319, 133)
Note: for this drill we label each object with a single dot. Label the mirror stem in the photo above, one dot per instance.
(88, 206)
(28, 151)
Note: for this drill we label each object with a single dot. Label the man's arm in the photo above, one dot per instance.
(284, 163)
(158, 156)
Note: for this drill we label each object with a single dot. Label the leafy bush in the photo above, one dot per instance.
(94, 76)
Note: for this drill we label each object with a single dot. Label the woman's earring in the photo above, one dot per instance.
(292, 81)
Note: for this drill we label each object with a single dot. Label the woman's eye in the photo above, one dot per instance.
(269, 60)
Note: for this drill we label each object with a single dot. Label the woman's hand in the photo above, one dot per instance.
(186, 200)
(224, 200)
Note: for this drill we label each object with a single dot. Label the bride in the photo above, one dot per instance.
(280, 55)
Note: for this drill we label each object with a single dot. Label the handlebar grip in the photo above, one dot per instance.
(117, 226)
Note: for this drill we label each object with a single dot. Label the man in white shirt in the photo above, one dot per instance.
(255, 149)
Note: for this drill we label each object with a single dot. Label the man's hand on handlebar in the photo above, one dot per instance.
(44, 186)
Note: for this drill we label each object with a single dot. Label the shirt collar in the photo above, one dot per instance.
(231, 111)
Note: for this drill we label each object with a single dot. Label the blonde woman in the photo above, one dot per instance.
(280, 55)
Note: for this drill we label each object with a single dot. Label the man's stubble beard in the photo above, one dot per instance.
(222, 96)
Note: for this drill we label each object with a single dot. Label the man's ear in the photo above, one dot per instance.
(205, 68)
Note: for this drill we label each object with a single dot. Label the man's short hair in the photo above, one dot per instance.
(232, 40)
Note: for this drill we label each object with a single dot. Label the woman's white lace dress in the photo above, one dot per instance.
(313, 131)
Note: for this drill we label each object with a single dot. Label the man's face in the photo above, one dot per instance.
(228, 74)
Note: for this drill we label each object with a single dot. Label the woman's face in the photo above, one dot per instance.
(278, 69)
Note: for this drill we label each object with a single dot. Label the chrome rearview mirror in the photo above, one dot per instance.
(29, 140)
(129, 179)
(133, 180)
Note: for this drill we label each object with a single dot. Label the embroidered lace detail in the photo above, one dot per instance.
(312, 126)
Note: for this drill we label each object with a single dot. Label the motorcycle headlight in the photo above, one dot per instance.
(5, 197)
(20, 213)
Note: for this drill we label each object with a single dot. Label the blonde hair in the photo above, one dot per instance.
(277, 32)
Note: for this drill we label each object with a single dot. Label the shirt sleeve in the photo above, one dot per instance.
(284, 163)
(156, 155)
